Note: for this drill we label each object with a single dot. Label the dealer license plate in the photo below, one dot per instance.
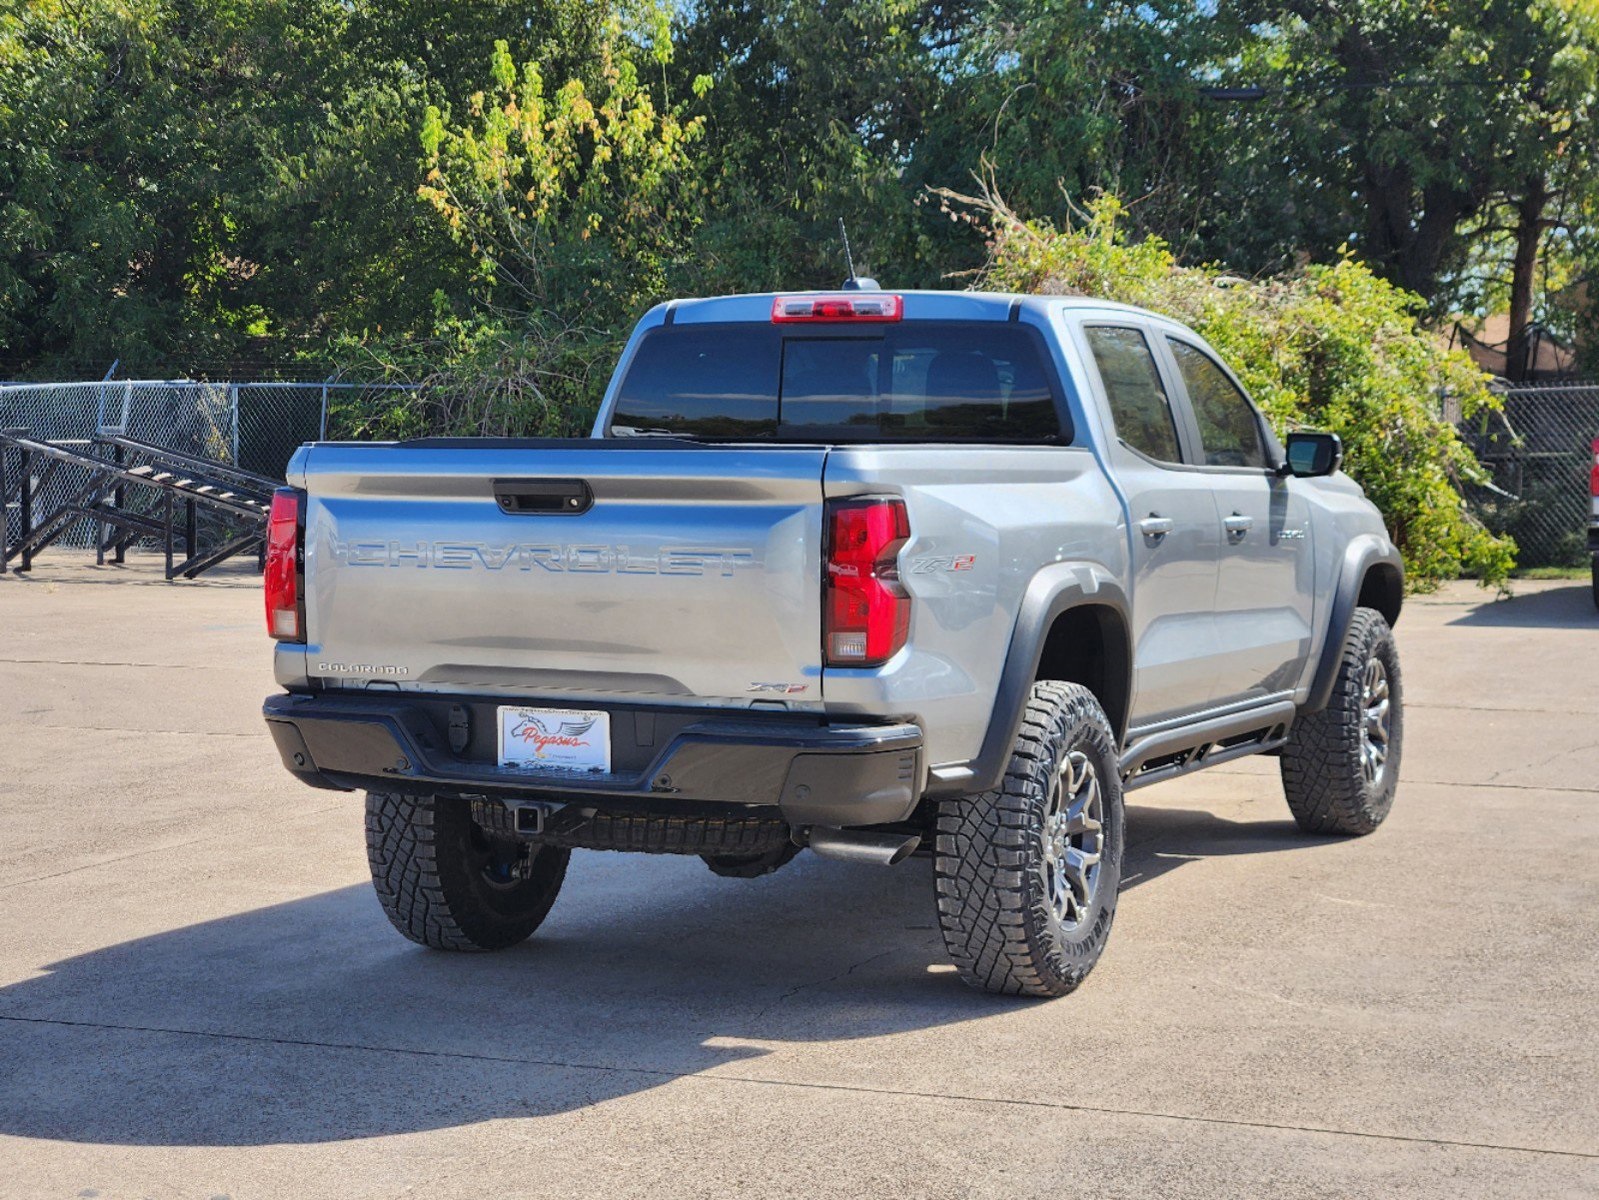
(559, 739)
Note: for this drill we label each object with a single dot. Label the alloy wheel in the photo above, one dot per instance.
(1074, 841)
(1376, 722)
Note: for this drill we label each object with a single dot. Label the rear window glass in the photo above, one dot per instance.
(916, 381)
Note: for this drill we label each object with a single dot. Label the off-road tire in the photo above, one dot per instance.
(750, 866)
(428, 869)
(989, 857)
(1595, 568)
(1327, 790)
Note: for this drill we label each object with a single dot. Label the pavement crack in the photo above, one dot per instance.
(1509, 787)
(800, 987)
(1447, 783)
(1567, 753)
(808, 1085)
(1413, 706)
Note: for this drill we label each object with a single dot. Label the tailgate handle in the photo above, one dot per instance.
(528, 497)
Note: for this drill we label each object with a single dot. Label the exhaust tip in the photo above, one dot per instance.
(864, 846)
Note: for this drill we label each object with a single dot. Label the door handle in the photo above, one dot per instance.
(1156, 526)
(525, 497)
(1238, 525)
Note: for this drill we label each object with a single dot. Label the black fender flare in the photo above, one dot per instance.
(1056, 589)
(1362, 554)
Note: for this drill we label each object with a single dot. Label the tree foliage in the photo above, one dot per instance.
(188, 182)
(572, 200)
(109, 213)
(1331, 346)
(485, 193)
(822, 111)
(570, 197)
(1399, 126)
(191, 184)
(1054, 99)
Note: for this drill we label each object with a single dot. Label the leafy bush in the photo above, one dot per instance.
(572, 201)
(1325, 347)
(484, 376)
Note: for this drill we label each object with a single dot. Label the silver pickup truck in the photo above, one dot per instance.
(871, 573)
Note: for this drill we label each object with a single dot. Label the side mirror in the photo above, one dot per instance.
(1311, 455)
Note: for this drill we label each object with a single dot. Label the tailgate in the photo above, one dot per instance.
(687, 572)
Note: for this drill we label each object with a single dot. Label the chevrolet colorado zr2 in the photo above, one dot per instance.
(865, 572)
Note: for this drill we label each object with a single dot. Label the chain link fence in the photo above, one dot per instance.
(254, 426)
(1539, 451)
(193, 418)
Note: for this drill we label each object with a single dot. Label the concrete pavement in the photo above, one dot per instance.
(199, 996)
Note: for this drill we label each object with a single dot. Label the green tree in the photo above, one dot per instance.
(1552, 177)
(111, 230)
(1055, 100)
(1330, 346)
(345, 248)
(821, 111)
(186, 183)
(1398, 124)
(573, 202)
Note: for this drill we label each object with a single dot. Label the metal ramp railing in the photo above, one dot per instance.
(130, 490)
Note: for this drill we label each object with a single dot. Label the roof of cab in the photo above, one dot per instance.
(919, 305)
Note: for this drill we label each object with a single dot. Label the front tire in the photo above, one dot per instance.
(448, 883)
(1340, 766)
(1027, 874)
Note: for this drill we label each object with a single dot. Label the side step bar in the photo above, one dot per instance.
(1174, 752)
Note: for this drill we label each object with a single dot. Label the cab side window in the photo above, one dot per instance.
(1229, 431)
(1139, 405)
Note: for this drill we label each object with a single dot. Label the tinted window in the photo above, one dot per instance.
(702, 381)
(1228, 428)
(916, 381)
(1138, 403)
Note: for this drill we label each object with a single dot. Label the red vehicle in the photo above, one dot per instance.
(1593, 519)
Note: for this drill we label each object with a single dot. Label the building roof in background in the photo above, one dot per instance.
(1548, 357)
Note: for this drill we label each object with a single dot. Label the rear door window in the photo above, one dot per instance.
(1139, 406)
(916, 381)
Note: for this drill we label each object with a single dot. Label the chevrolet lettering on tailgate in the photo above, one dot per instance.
(548, 556)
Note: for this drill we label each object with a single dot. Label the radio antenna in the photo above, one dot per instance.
(854, 283)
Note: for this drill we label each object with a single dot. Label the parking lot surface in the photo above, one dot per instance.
(200, 997)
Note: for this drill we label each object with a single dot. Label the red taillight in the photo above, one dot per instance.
(868, 613)
(282, 574)
(845, 306)
(1593, 476)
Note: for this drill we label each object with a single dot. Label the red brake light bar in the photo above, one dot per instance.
(842, 306)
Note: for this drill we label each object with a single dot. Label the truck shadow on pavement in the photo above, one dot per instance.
(1554, 608)
(312, 1021)
(1160, 840)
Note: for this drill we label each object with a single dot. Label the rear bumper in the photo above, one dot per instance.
(814, 773)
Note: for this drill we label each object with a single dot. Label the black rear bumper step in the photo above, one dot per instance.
(812, 773)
